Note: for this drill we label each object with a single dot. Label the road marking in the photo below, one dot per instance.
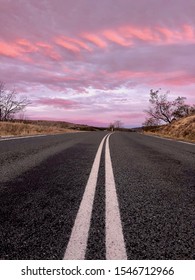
(77, 244)
(115, 245)
(23, 137)
(170, 139)
(159, 137)
(31, 136)
(186, 143)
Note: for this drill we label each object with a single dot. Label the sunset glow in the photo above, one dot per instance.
(95, 62)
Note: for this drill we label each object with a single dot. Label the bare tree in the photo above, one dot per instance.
(111, 126)
(151, 122)
(10, 105)
(118, 124)
(162, 110)
(182, 109)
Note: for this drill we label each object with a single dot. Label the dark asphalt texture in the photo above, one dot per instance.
(42, 181)
(95, 250)
(39, 206)
(155, 181)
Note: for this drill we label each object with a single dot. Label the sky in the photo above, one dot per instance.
(95, 62)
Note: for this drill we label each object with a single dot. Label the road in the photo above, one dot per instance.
(97, 195)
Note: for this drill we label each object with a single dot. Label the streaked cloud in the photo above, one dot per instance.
(97, 59)
(57, 103)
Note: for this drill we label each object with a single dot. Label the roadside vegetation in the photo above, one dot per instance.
(9, 128)
(13, 105)
(173, 119)
(10, 103)
(33, 127)
(183, 129)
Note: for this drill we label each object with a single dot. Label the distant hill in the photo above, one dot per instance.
(62, 124)
(31, 127)
(183, 129)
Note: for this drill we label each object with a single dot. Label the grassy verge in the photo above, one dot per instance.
(183, 129)
(21, 129)
(185, 139)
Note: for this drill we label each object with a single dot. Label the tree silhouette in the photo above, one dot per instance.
(10, 105)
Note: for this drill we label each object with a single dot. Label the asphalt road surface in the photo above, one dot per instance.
(97, 195)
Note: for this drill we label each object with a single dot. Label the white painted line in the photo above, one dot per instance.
(170, 139)
(31, 136)
(186, 142)
(115, 245)
(159, 137)
(77, 244)
(23, 137)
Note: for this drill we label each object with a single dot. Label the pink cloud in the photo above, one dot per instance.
(180, 80)
(77, 42)
(9, 50)
(26, 46)
(48, 50)
(158, 34)
(63, 52)
(24, 49)
(67, 45)
(143, 33)
(131, 116)
(115, 37)
(95, 39)
(189, 32)
(57, 102)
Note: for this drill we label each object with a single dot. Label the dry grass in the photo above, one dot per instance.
(19, 129)
(183, 129)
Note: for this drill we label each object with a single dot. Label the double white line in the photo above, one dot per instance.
(115, 246)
